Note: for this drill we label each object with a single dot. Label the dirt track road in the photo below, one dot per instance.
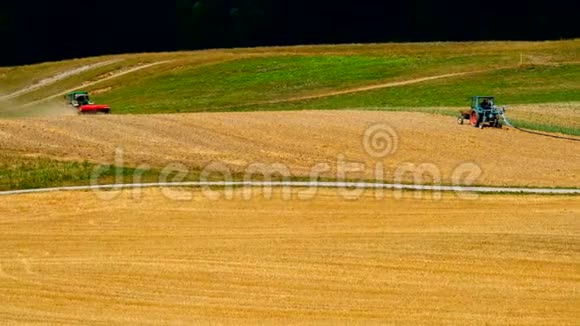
(500, 259)
(300, 140)
(371, 87)
(112, 76)
(60, 76)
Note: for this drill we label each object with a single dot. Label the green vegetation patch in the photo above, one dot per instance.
(252, 80)
(28, 173)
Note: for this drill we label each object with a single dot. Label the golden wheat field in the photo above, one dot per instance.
(70, 257)
(300, 140)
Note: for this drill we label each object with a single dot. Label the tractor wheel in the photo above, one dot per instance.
(475, 119)
(460, 120)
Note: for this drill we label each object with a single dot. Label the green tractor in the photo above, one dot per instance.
(483, 112)
(82, 103)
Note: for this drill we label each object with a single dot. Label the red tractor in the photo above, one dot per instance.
(80, 100)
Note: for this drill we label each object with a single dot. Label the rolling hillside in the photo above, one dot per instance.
(182, 256)
(432, 77)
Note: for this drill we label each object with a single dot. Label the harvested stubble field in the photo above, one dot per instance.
(299, 140)
(499, 259)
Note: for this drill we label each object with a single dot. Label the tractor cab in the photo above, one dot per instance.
(78, 99)
(83, 99)
(482, 102)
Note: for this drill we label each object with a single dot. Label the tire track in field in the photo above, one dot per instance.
(113, 76)
(368, 88)
(60, 76)
(379, 86)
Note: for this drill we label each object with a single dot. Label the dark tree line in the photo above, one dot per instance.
(211, 23)
(33, 31)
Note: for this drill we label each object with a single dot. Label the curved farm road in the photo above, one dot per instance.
(367, 88)
(60, 76)
(375, 87)
(379, 86)
(113, 76)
